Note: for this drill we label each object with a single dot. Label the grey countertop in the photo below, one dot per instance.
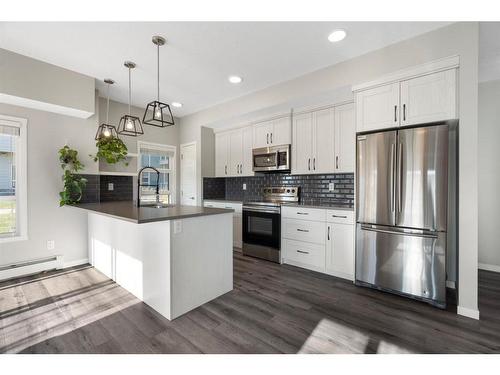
(127, 210)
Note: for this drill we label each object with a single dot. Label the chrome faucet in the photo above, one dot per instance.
(139, 185)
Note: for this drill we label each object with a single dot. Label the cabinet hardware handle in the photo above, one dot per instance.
(314, 163)
(241, 168)
(404, 112)
(302, 213)
(302, 230)
(340, 216)
(336, 162)
(303, 252)
(328, 233)
(309, 164)
(395, 113)
(267, 138)
(225, 169)
(271, 138)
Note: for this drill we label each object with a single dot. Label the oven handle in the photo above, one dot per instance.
(264, 210)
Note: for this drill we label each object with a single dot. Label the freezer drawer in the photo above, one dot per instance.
(413, 264)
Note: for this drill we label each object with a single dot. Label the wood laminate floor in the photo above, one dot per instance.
(272, 309)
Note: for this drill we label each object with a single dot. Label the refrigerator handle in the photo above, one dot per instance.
(393, 188)
(400, 175)
(403, 233)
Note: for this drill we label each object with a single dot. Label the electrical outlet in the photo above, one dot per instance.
(51, 244)
(244, 186)
(331, 186)
(111, 186)
(177, 226)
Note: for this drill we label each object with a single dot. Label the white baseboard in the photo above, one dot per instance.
(75, 263)
(488, 267)
(469, 313)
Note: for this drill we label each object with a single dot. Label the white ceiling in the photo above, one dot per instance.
(199, 56)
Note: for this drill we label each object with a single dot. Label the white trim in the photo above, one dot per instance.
(31, 267)
(77, 262)
(314, 108)
(254, 121)
(408, 73)
(469, 313)
(42, 106)
(489, 267)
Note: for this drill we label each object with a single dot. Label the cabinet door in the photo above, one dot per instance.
(302, 144)
(247, 151)
(429, 98)
(221, 154)
(323, 141)
(377, 108)
(262, 134)
(235, 153)
(281, 132)
(340, 250)
(345, 139)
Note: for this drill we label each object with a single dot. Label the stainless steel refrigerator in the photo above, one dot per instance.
(402, 211)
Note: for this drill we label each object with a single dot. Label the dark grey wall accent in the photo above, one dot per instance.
(313, 188)
(96, 189)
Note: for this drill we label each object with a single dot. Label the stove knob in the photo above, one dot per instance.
(287, 190)
(293, 190)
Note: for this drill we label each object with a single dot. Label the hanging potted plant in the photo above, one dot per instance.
(73, 182)
(111, 149)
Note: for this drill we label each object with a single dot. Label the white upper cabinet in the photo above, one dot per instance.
(236, 152)
(323, 141)
(429, 98)
(247, 151)
(377, 108)
(345, 139)
(222, 154)
(272, 133)
(302, 147)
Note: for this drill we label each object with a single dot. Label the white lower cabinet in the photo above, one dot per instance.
(237, 218)
(319, 239)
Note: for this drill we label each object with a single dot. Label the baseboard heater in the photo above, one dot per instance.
(29, 267)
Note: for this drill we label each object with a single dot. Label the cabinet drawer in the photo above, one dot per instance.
(304, 230)
(300, 213)
(307, 255)
(340, 216)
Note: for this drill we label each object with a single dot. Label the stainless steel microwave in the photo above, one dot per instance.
(275, 158)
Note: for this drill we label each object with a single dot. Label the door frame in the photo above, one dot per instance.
(181, 147)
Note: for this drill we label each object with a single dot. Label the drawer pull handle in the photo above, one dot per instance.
(303, 252)
(302, 213)
(302, 230)
(340, 216)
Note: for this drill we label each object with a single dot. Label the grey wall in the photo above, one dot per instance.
(457, 39)
(489, 175)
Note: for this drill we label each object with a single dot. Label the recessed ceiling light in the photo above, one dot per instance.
(176, 104)
(235, 79)
(337, 35)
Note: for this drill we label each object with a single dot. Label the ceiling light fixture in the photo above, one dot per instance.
(105, 130)
(235, 79)
(130, 125)
(337, 35)
(161, 113)
(176, 104)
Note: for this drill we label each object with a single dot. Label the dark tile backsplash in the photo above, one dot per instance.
(96, 189)
(313, 188)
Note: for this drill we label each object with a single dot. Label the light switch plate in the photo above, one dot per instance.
(177, 226)
(244, 186)
(331, 186)
(111, 186)
(51, 244)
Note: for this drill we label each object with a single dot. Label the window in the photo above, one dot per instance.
(161, 157)
(13, 186)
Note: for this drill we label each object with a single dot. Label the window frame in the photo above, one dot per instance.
(172, 164)
(21, 190)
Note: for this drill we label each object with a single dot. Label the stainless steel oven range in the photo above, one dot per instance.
(262, 222)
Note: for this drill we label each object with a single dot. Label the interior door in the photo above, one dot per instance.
(302, 143)
(422, 178)
(375, 178)
(323, 141)
(235, 152)
(345, 139)
(188, 175)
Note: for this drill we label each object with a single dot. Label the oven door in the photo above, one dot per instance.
(261, 227)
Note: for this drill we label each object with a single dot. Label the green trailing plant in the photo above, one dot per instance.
(111, 149)
(73, 182)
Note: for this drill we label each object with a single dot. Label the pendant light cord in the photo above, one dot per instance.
(158, 68)
(107, 109)
(129, 90)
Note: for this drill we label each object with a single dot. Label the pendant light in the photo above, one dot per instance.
(158, 113)
(130, 125)
(105, 130)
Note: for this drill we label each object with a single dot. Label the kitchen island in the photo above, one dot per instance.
(173, 258)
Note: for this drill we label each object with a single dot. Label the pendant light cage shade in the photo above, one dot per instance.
(130, 125)
(158, 114)
(105, 130)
